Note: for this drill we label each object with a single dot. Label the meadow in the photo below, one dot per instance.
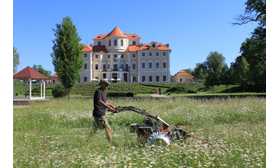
(56, 134)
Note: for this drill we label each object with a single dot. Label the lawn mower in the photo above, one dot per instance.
(157, 132)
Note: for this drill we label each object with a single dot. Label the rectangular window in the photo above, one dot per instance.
(108, 67)
(133, 66)
(164, 78)
(96, 56)
(157, 78)
(181, 80)
(96, 66)
(164, 65)
(164, 54)
(143, 54)
(115, 56)
(134, 79)
(150, 54)
(150, 78)
(85, 79)
(150, 65)
(108, 56)
(143, 79)
(121, 56)
(104, 66)
(85, 66)
(143, 65)
(157, 53)
(157, 65)
(85, 55)
(133, 55)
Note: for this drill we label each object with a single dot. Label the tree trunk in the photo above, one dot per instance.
(68, 95)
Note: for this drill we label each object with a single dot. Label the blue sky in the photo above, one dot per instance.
(192, 28)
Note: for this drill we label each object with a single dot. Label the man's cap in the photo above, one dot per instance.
(103, 81)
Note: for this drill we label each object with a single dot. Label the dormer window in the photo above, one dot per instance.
(99, 43)
(134, 43)
(153, 45)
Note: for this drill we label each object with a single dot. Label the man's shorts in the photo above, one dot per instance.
(101, 123)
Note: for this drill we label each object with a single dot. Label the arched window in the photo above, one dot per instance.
(109, 42)
(99, 43)
(134, 43)
(115, 42)
(122, 42)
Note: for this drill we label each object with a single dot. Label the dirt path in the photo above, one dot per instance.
(157, 95)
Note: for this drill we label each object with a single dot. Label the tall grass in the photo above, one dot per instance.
(56, 134)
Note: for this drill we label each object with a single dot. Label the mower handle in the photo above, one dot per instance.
(117, 110)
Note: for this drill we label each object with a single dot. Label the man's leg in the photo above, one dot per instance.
(108, 132)
(94, 127)
(108, 129)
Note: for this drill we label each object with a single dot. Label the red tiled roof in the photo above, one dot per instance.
(100, 36)
(159, 45)
(182, 72)
(134, 48)
(99, 49)
(116, 32)
(133, 36)
(86, 48)
(29, 72)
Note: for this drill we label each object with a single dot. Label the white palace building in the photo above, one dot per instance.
(120, 57)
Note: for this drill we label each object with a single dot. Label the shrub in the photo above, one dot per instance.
(178, 89)
(110, 94)
(59, 91)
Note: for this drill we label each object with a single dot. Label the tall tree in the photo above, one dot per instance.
(214, 63)
(254, 49)
(226, 76)
(67, 53)
(255, 11)
(15, 59)
(211, 79)
(241, 72)
(199, 71)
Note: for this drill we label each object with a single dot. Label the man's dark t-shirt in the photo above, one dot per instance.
(97, 109)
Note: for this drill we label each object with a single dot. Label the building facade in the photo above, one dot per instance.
(120, 57)
(182, 77)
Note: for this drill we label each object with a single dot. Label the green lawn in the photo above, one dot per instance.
(56, 134)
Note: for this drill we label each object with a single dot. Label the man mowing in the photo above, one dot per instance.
(99, 109)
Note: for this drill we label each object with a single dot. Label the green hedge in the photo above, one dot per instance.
(129, 94)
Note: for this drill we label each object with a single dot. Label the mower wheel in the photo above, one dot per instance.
(159, 139)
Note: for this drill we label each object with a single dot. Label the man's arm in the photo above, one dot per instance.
(107, 105)
(110, 105)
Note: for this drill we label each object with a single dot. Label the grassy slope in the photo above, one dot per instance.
(56, 134)
(142, 90)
